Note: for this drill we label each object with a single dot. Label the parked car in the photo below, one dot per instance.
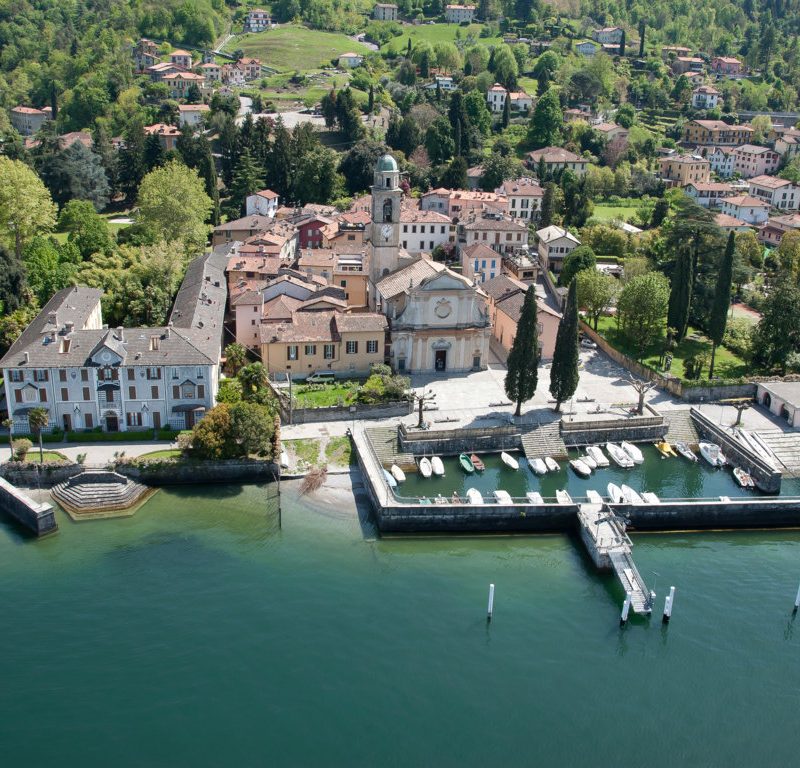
(321, 377)
(587, 343)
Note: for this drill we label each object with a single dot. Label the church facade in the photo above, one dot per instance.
(439, 321)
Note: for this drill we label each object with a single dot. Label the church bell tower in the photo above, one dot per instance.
(385, 227)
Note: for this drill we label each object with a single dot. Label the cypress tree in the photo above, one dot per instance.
(371, 101)
(642, 29)
(718, 320)
(546, 214)
(564, 370)
(622, 44)
(523, 360)
(506, 111)
(408, 49)
(680, 296)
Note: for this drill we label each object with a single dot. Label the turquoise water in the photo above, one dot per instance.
(196, 633)
(667, 478)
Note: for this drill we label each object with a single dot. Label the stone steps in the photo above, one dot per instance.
(681, 428)
(544, 440)
(385, 444)
(92, 492)
(786, 446)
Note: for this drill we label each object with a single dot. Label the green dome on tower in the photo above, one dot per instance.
(387, 164)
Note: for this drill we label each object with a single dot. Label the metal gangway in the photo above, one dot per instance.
(603, 533)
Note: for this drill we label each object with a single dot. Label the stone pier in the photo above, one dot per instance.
(38, 518)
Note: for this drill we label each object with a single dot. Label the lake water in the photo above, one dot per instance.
(198, 634)
(667, 478)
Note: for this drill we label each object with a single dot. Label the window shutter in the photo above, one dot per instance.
(176, 392)
(43, 395)
(86, 393)
(62, 375)
(17, 395)
(154, 392)
(201, 392)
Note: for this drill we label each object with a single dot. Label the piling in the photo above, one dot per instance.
(490, 609)
(626, 606)
(797, 600)
(668, 605)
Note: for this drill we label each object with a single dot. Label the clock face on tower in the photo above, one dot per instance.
(386, 231)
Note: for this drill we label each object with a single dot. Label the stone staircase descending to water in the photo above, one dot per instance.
(98, 493)
(681, 428)
(387, 448)
(544, 440)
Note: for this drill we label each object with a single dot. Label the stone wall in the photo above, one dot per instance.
(634, 429)
(180, 473)
(32, 475)
(449, 442)
(346, 413)
(692, 515)
(39, 518)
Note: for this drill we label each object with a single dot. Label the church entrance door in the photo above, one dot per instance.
(441, 360)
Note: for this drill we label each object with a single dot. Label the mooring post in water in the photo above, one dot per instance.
(626, 606)
(668, 605)
(491, 603)
(797, 601)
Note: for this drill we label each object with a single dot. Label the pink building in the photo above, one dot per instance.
(750, 160)
(727, 65)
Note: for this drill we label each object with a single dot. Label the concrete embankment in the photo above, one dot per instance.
(36, 517)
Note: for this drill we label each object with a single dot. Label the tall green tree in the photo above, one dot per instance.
(85, 228)
(564, 370)
(548, 206)
(522, 373)
(246, 181)
(596, 292)
(279, 168)
(26, 208)
(777, 334)
(581, 258)
(13, 284)
(718, 320)
(132, 167)
(77, 173)
(506, 119)
(315, 177)
(544, 129)
(642, 308)
(680, 297)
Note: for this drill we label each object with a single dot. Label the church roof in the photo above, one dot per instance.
(387, 164)
(403, 278)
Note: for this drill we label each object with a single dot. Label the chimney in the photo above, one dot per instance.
(167, 332)
(26, 357)
(120, 333)
(70, 326)
(52, 318)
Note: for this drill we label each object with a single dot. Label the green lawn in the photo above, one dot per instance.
(169, 453)
(292, 47)
(608, 212)
(338, 451)
(437, 33)
(304, 450)
(49, 457)
(727, 365)
(323, 395)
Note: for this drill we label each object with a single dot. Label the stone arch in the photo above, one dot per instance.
(766, 400)
(387, 210)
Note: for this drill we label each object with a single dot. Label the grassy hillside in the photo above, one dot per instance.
(290, 47)
(437, 33)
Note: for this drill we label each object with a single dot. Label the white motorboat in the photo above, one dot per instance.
(502, 497)
(437, 467)
(538, 466)
(551, 464)
(713, 455)
(474, 496)
(615, 494)
(580, 467)
(534, 497)
(562, 497)
(390, 481)
(594, 497)
(684, 450)
(425, 468)
(284, 460)
(588, 461)
(596, 452)
(619, 456)
(630, 496)
(397, 473)
(632, 451)
(650, 498)
(509, 460)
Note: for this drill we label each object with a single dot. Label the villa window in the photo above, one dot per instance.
(16, 374)
(187, 391)
(372, 347)
(40, 375)
(291, 352)
(311, 349)
(352, 348)
(328, 351)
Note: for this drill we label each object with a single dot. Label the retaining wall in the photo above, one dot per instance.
(234, 471)
(347, 413)
(692, 515)
(32, 474)
(633, 429)
(39, 518)
(454, 441)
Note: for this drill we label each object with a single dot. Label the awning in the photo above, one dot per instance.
(107, 385)
(186, 408)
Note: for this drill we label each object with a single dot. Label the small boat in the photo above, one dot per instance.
(593, 497)
(466, 463)
(390, 481)
(424, 500)
(632, 451)
(650, 498)
(580, 468)
(744, 479)
(425, 468)
(456, 499)
(437, 466)
(440, 499)
(619, 456)
(615, 494)
(397, 473)
(712, 454)
(551, 464)
(665, 449)
(562, 497)
(588, 461)
(509, 460)
(684, 450)
(477, 463)
(534, 497)
(596, 452)
(538, 466)
(630, 496)
(502, 497)
(474, 496)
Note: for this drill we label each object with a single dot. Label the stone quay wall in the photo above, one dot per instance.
(31, 474)
(449, 442)
(39, 518)
(346, 413)
(159, 473)
(766, 477)
(705, 513)
(633, 429)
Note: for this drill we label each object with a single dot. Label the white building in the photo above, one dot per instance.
(524, 197)
(588, 48)
(86, 376)
(781, 398)
(499, 232)
(384, 12)
(721, 161)
(442, 82)
(192, 114)
(421, 231)
(181, 58)
(554, 244)
(779, 193)
(480, 263)
(456, 14)
(608, 35)
(496, 99)
(705, 97)
(746, 208)
(257, 20)
(28, 120)
(263, 203)
(708, 193)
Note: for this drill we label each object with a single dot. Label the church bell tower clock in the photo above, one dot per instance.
(385, 227)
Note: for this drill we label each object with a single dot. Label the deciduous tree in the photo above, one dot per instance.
(596, 292)
(26, 208)
(642, 308)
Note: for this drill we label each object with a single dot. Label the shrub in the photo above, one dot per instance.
(21, 446)
(738, 337)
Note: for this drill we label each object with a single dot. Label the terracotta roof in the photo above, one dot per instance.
(771, 182)
(477, 220)
(28, 111)
(356, 322)
(719, 125)
(745, 201)
(521, 186)
(268, 194)
(724, 221)
(555, 155)
(414, 216)
(413, 274)
(478, 251)
(193, 108)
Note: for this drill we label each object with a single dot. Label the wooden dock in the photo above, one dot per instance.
(610, 547)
